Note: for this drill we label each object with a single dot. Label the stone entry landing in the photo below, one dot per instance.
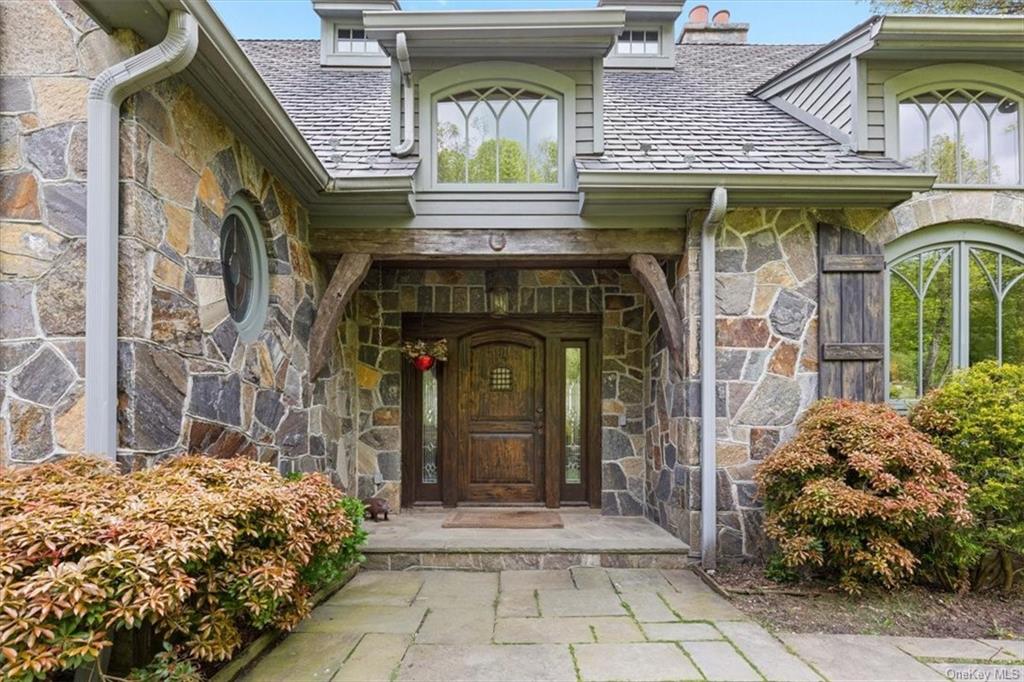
(416, 538)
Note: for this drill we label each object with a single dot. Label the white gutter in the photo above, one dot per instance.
(404, 148)
(106, 94)
(708, 408)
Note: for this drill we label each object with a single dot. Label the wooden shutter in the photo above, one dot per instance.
(851, 289)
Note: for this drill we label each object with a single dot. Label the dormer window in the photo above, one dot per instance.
(353, 40)
(497, 135)
(964, 136)
(639, 43)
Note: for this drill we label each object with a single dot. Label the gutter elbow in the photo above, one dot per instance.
(404, 147)
(716, 212)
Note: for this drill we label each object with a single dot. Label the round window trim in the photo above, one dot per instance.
(243, 260)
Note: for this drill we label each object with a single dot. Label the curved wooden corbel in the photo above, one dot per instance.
(652, 278)
(347, 277)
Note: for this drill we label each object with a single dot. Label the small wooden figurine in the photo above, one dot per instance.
(375, 507)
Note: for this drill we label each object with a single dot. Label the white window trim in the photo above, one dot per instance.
(329, 56)
(993, 79)
(992, 237)
(438, 85)
(666, 50)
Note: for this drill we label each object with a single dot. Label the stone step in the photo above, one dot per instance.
(490, 559)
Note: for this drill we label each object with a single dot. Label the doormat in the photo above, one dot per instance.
(503, 519)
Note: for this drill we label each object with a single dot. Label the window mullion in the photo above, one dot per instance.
(962, 305)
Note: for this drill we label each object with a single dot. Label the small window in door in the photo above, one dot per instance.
(501, 379)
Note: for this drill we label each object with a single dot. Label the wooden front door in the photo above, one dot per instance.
(513, 416)
(501, 429)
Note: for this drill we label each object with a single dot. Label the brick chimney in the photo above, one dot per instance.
(719, 30)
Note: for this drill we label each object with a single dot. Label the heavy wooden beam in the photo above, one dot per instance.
(477, 244)
(347, 277)
(646, 269)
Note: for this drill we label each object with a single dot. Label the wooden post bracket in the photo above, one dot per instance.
(347, 277)
(652, 278)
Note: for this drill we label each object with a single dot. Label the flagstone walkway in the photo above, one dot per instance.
(588, 624)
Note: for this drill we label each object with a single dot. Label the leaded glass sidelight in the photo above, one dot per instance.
(952, 304)
(573, 414)
(497, 135)
(429, 421)
(237, 266)
(963, 136)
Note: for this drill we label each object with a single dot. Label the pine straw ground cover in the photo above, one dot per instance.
(912, 610)
(204, 552)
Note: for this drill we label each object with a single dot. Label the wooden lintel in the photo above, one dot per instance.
(476, 244)
(347, 277)
(652, 278)
(852, 351)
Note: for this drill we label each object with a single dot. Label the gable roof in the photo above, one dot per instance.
(697, 117)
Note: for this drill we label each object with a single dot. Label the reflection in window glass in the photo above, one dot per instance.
(637, 43)
(924, 344)
(497, 135)
(355, 40)
(429, 453)
(963, 136)
(573, 414)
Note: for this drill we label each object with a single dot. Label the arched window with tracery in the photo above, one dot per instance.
(965, 135)
(955, 297)
(497, 135)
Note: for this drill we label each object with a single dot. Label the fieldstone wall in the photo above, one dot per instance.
(766, 363)
(387, 293)
(185, 381)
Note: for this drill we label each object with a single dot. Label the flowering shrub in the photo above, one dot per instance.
(857, 493)
(977, 417)
(203, 550)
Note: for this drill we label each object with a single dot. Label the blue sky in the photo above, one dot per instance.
(771, 21)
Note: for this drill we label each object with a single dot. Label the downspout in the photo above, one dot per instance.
(106, 94)
(708, 407)
(404, 148)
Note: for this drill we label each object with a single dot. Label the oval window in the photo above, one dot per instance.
(244, 269)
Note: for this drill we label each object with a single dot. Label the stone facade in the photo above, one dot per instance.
(387, 293)
(185, 382)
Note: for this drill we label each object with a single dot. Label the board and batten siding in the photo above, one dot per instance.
(826, 96)
(581, 71)
(878, 72)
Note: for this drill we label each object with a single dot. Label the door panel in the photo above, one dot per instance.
(502, 421)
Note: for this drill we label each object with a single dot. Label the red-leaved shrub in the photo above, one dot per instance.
(857, 494)
(203, 550)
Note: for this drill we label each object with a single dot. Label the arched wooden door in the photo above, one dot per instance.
(501, 417)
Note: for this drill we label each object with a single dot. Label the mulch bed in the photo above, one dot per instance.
(912, 611)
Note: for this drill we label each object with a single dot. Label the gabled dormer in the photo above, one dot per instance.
(343, 40)
(647, 40)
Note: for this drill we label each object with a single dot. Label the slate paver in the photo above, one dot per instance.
(683, 580)
(856, 657)
(379, 588)
(580, 603)
(452, 589)
(720, 661)
(386, 619)
(650, 662)
(470, 625)
(638, 579)
(615, 629)
(677, 632)
(702, 605)
(374, 659)
(519, 604)
(590, 578)
(946, 647)
(543, 631)
(767, 653)
(648, 607)
(512, 662)
(1015, 647)
(304, 657)
(511, 581)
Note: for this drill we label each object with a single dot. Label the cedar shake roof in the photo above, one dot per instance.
(697, 117)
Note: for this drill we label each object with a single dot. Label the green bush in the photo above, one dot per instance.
(977, 417)
(857, 496)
